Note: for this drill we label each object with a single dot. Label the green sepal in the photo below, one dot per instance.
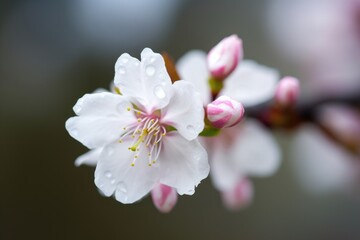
(210, 132)
(215, 85)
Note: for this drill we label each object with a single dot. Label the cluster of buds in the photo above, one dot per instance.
(221, 62)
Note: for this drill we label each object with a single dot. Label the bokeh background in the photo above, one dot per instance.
(53, 52)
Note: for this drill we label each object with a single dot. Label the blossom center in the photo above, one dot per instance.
(147, 133)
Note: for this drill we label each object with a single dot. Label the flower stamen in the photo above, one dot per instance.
(147, 133)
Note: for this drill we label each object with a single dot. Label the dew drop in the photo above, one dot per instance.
(113, 181)
(74, 132)
(108, 174)
(152, 59)
(122, 187)
(110, 151)
(190, 192)
(159, 92)
(150, 71)
(77, 109)
(122, 70)
(191, 129)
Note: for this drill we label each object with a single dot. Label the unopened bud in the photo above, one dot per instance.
(224, 112)
(287, 91)
(224, 57)
(164, 197)
(240, 196)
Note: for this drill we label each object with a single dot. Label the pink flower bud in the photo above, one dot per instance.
(240, 196)
(224, 57)
(224, 112)
(164, 197)
(287, 91)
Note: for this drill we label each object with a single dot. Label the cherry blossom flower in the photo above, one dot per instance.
(322, 38)
(250, 83)
(321, 165)
(144, 136)
(247, 149)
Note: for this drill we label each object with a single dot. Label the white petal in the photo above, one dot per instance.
(101, 118)
(147, 83)
(224, 174)
(90, 158)
(321, 166)
(247, 150)
(183, 164)
(185, 110)
(192, 67)
(251, 83)
(115, 175)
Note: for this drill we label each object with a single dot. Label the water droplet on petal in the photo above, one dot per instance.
(74, 132)
(122, 70)
(150, 71)
(191, 191)
(191, 129)
(77, 109)
(121, 186)
(113, 181)
(152, 59)
(159, 92)
(110, 151)
(108, 174)
(197, 156)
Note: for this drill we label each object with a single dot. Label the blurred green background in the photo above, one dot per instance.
(53, 52)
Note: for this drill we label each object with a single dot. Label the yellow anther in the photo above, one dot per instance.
(135, 156)
(117, 90)
(128, 109)
(132, 164)
(149, 164)
(139, 120)
(153, 161)
(120, 141)
(124, 128)
(140, 140)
